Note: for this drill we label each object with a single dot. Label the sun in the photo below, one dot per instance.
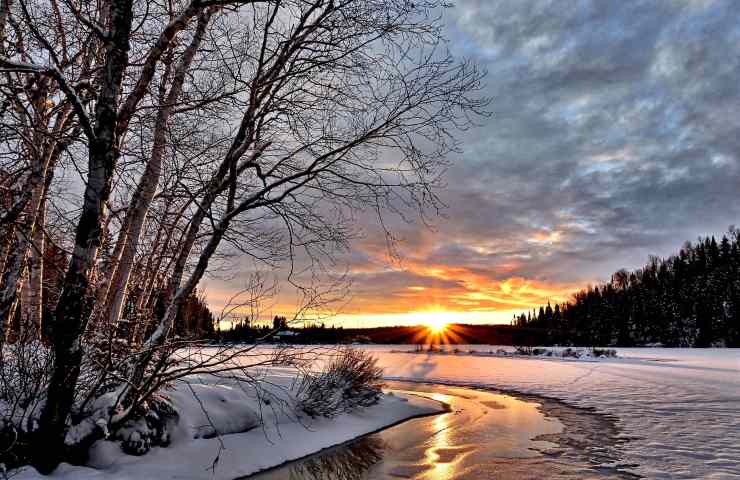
(436, 325)
(439, 328)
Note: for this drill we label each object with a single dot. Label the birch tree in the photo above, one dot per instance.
(257, 126)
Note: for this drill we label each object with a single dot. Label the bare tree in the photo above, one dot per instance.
(208, 126)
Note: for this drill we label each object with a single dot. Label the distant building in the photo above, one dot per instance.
(286, 336)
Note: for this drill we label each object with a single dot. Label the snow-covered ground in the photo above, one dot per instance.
(258, 431)
(679, 408)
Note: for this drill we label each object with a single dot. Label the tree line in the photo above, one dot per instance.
(690, 299)
(246, 330)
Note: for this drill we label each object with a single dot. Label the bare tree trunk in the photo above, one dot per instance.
(155, 279)
(70, 316)
(150, 179)
(101, 278)
(16, 263)
(33, 291)
(7, 234)
(159, 336)
(139, 327)
(150, 288)
(154, 261)
(106, 276)
(12, 280)
(23, 299)
(23, 268)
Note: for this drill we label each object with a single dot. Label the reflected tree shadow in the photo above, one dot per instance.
(347, 462)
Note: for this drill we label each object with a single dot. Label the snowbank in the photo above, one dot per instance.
(678, 409)
(228, 429)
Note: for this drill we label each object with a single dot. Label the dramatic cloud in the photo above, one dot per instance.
(614, 135)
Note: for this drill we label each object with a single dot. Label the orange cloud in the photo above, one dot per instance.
(463, 279)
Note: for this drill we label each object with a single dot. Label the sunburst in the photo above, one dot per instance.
(437, 325)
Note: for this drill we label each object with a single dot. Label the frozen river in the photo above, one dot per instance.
(652, 413)
(485, 434)
(677, 410)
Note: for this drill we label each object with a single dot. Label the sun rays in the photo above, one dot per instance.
(437, 325)
(440, 329)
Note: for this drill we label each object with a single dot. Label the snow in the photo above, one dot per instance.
(229, 410)
(244, 431)
(679, 409)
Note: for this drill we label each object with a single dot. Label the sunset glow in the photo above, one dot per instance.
(536, 207)
(437, 325)
(452, 295)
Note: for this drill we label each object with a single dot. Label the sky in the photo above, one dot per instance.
(614, 135)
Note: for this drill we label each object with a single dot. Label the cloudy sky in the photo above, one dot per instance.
(615, 134)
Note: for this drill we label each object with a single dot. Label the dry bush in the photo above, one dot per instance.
(350, 380)
(24, 373)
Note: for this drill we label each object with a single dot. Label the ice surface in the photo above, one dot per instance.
(679, 408)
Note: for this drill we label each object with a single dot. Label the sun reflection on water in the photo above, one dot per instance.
(441, 468)
(441, 464)
(446, 452)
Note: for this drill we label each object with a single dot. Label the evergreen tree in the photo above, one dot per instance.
(691, 299)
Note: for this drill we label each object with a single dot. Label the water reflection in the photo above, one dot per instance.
(347, 462)
(485, 435)
(435, 456)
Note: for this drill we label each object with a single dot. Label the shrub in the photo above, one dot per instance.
(603, 352)
(523, 350)
(570, 352)
(352, 379)
(24, 374)
(150, 427)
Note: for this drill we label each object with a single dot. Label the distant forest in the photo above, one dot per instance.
(691, 299)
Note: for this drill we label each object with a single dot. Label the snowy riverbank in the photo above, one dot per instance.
(257, 431)
(678, 409)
